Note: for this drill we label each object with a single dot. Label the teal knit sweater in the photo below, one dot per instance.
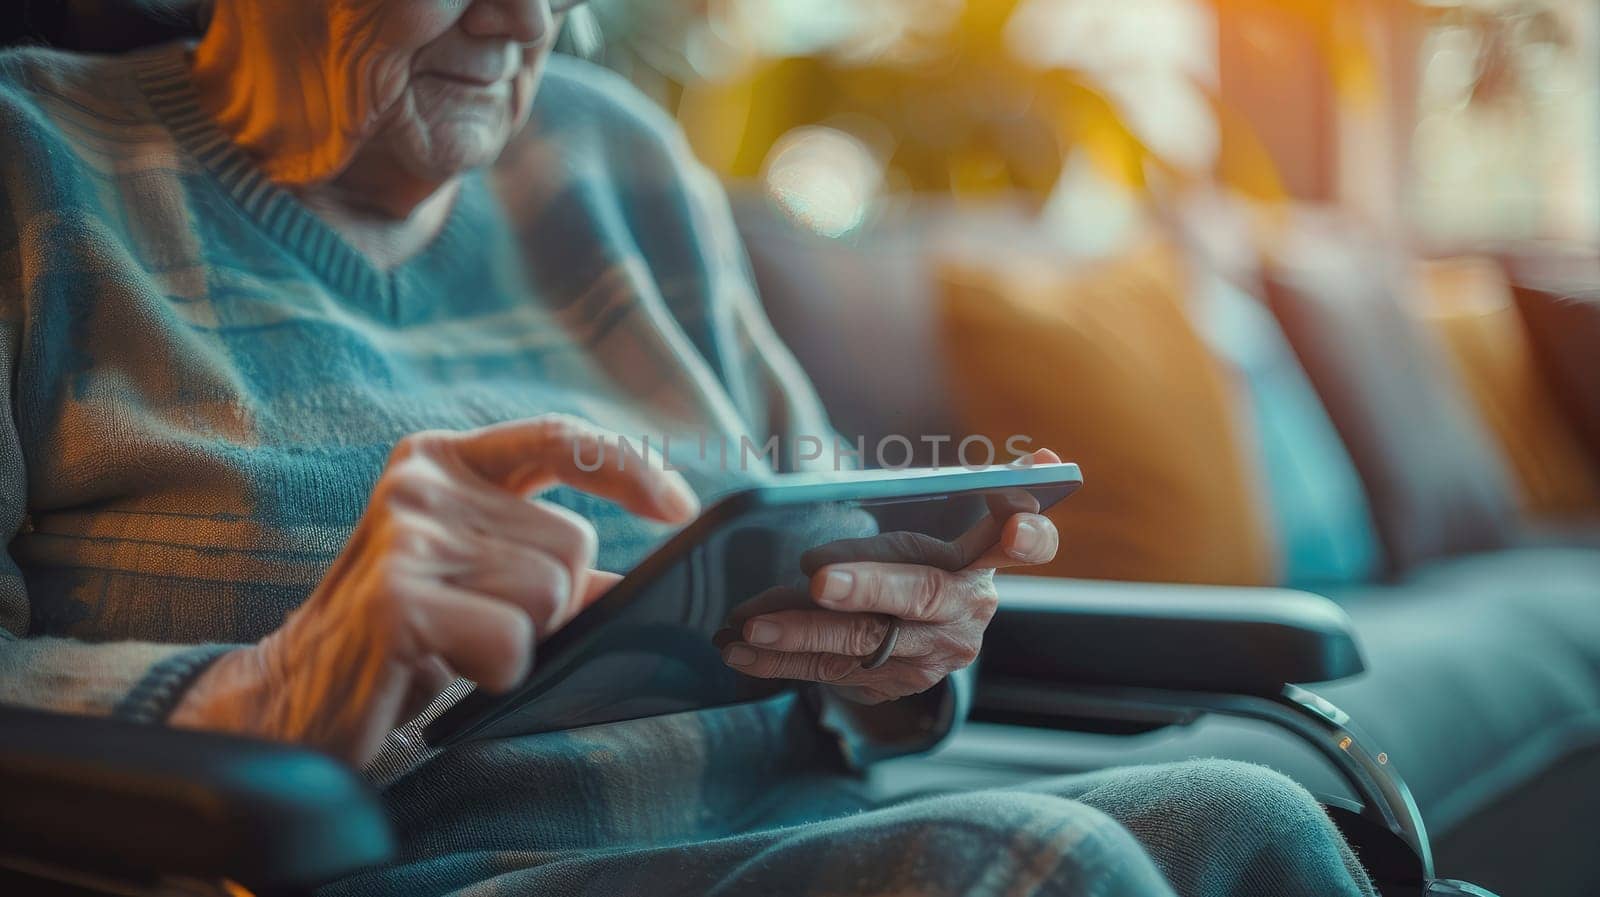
(206, 379)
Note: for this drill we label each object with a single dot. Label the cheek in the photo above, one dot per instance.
(387, 79)
(377, 42)
(441, 129)
(401, 23)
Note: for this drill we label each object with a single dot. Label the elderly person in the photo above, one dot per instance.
(304, 323)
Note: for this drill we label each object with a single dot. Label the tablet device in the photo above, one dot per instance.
(646, 647)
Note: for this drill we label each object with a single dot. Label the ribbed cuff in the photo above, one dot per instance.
(152, 698)
(911, 725)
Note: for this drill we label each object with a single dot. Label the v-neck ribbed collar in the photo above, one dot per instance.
(163, 74)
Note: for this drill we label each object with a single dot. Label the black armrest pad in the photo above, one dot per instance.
(102, 795)
(1192, 638)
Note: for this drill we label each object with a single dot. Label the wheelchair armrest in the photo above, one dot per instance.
(1133, 657)
(1249, 641)
(121, 799)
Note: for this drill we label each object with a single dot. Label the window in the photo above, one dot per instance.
(1507, 141)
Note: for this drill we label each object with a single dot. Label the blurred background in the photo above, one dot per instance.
(1294, 280)
(1449, 121)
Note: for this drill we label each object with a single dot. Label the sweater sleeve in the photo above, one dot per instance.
(911, 725)
(136, 681)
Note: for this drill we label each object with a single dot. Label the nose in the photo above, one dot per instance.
(523, 21)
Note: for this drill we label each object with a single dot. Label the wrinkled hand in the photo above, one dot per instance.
(451, 571)
(824, 635)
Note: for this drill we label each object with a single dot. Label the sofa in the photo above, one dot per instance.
(1477, 613)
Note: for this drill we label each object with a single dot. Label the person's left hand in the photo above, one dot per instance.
(942, 614)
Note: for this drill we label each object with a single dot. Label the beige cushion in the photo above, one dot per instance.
(1468, 303)
(1564, 323)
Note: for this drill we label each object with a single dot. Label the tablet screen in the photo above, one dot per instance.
(650, 646)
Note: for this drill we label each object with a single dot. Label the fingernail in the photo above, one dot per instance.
(836, 585)
(1028, 541)
(739, 656)
(764, 633)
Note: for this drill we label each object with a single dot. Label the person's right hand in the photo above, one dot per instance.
(451, 571)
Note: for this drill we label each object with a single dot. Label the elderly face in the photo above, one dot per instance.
(434, 87)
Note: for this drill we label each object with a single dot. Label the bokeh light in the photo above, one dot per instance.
(824, 178)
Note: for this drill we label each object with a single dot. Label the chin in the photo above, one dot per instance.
(458, 148)
(468, 128)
